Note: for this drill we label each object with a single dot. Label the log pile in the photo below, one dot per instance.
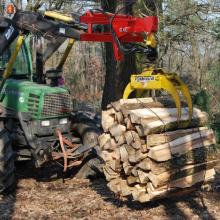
(149, 154)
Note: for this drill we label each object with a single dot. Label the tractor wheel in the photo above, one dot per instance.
(7, 159)
(87, 129)
(91, 167)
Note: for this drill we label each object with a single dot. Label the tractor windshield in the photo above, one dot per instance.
(22, 67)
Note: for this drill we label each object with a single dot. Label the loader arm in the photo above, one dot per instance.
(92, 26)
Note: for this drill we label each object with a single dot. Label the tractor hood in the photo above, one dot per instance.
(21, 86)
(40, 100)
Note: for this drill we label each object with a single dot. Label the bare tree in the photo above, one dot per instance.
(117, 73)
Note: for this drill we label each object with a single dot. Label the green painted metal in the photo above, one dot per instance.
(21, 94)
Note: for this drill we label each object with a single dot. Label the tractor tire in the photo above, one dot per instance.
(91, 167)
(7, 161)
(88, 130)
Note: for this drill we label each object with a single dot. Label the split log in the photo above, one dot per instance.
(115, 165)
(128, 137)
(196, 156)
(139, 155)
(183, 183)
(103, 139)
(110, 174)
(120, 140)
(119, 117)
(131, 153)
(144, 148)
(170, 175)
(136, 140)
(117, 130)
(129, 124)
(145, 164)
(114, 185)
(131, 180)
(189, 181)
(108, 119)
(152, 113)
(154, 126)
(126, 102)
(127, 167)
(125, 189)
(134, 171)
(110, 144)
(143, 176)
(125, 109)
(138, 103)
(139, 192)
(123, 154)
(181, 146)
(157, 139)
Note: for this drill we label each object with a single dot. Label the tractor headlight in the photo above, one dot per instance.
(45, 123)
(63, 121)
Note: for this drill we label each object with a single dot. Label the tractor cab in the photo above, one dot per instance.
(22, 67)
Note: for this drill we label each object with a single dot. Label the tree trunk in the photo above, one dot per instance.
(117, 72)
(196, 57)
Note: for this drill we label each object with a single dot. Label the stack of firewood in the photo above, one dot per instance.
(148, 153)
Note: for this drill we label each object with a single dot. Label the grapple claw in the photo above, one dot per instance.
(186, 94)
(156, 79)
(128, 90)
(171, 89)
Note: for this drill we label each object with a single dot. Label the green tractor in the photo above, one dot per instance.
(36, 121)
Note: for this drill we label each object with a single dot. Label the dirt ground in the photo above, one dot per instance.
(37, 197)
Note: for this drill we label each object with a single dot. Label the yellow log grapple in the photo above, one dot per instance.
(156, 79)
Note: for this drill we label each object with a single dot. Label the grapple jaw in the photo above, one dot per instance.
(156, 79)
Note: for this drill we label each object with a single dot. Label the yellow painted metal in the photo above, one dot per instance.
(181, 86)
(156, 79)
(151, 40)
(59, 16)
(66, 53)
(128, 90)
(8, 69)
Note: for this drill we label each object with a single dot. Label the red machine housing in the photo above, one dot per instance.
(127, 28)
